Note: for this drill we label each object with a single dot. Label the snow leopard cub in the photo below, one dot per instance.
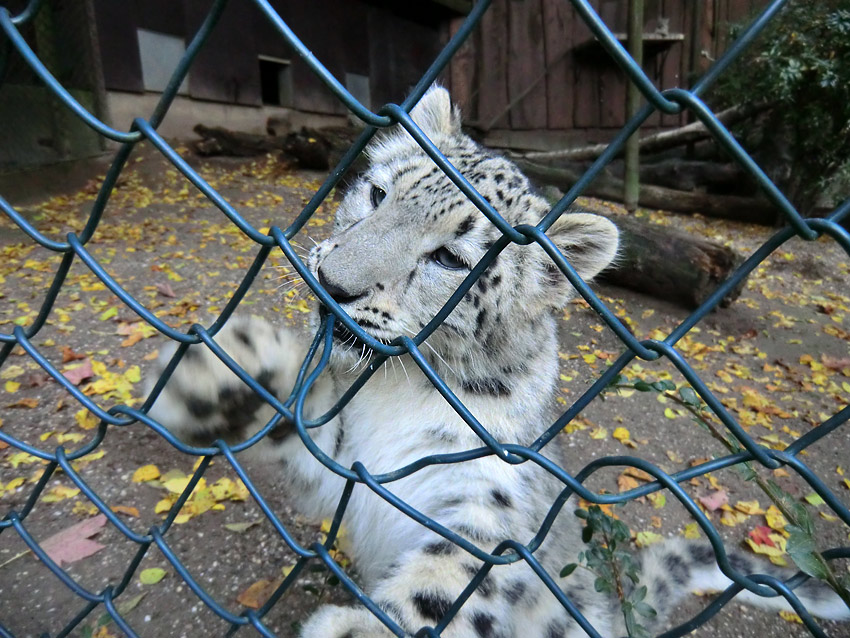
(404, 239)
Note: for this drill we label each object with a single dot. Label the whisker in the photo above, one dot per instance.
(405, 370)
(437, 354)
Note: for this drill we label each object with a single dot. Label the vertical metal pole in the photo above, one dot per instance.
(632, 153)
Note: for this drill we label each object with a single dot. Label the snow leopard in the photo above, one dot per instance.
(404, 239)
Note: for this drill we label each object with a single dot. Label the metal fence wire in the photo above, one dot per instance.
(75, 246)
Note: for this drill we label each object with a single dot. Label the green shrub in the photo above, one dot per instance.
(800, 66)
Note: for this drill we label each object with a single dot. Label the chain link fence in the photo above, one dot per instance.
(75, 246)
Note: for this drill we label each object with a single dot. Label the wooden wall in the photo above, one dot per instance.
(390, 43)
(533, 64)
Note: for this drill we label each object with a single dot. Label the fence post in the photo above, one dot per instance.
(631, 186)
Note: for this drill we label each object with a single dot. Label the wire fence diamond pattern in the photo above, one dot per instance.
(75, 247)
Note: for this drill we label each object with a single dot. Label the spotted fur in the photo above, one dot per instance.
(403, 241)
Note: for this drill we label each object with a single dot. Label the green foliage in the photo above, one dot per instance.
(800, 66)
(607, 556)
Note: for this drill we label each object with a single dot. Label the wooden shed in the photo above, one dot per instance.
(535, 77)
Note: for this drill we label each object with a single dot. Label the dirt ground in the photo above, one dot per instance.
(779, 358)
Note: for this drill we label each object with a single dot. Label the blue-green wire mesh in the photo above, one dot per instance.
(74, 246)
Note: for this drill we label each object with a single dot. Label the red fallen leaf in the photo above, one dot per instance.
(73, 543)
(165, 290)
(69, 355)
(80, 373)
(715, 500)
(760, 536)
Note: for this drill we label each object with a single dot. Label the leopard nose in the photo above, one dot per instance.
(338, 294)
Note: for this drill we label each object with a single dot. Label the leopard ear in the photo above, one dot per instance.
(434, 113)
(589, 242)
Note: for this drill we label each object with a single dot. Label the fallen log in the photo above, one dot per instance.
(742, 209)
(693, 132)
(220, 141)
(670, 264)
(691, 175)
(667, 263)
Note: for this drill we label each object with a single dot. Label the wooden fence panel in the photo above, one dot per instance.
(493, 65)
(526, 62)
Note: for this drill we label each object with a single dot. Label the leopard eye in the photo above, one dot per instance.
(377, 195)
(448, 260)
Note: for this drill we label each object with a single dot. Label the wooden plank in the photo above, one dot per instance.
(612, 80)
(586, 112)
(526, 62)
(461, 71)
(493, 64)
(558, 18)
(670, 59)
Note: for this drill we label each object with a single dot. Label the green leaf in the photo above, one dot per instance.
(241, 528)
(567, 570)
(109, 313)
(643, 386)
(801, 548)
(814, 499)
(128, 605)
(645, 610)
(151, 576)
(587, 534)
(690, 396)
(602, 586)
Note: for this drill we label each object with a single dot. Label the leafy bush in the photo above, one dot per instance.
(800, 66)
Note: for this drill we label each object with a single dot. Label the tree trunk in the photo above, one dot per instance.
(743, 209)
(687, 134)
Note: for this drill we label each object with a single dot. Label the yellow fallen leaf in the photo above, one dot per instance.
(12, 386)
(258, 593)
(10, 372)
(146, 473)
(177, 485)
(598, 433)
(691, 531)
(776, 554)
(658, 499)
(625, 483)
(124, 509)
(775, 519)
(644, 539)
(621, 434)
(749, 507)
(59, 493)
(86, 419)
(732, 518)
(790, 616)
(163, 505)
